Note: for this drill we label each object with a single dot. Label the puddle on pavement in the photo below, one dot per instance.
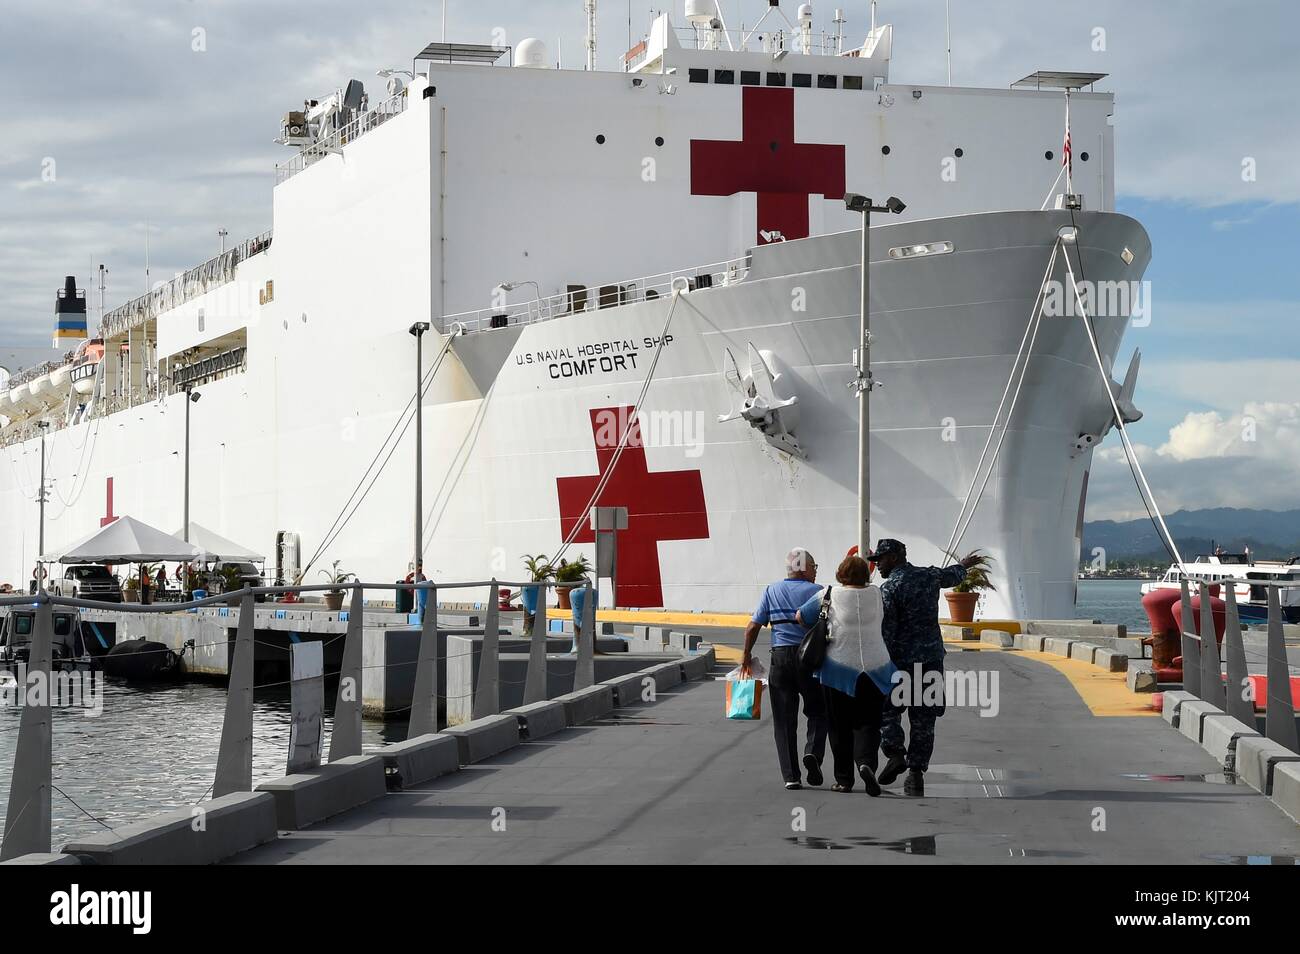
(1213, 778)
(933, 845)
(1252, 859)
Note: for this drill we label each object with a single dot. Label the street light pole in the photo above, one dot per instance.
(862, 383)
(191, 397)
(418, 329)
(43, 425)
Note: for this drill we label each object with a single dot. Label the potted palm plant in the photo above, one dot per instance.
(539, 571)
(963, 597)
(336, 578)
(573, 574)
(231, 582)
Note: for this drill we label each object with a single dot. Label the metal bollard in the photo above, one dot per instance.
(584, 674)
(487, 689)
(345, 739)
(1279, 717)
(1191, 646)
(235, 756)
(535, 681)
(1238, 704)
(424, 700)
(1211, 670)
(27, 819)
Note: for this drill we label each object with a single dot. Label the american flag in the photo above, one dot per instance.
(1067, 158)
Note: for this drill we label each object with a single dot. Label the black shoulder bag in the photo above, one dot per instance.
(812, 650)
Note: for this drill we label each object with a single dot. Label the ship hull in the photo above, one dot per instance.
(512, 450)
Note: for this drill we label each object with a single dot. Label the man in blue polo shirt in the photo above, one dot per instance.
(785, 683)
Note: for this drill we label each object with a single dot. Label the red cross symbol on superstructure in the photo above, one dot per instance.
(768, 161)
(665, 505)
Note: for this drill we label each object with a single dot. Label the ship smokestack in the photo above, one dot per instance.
(69, 313)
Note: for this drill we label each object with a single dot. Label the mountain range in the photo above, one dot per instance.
(1270, 534)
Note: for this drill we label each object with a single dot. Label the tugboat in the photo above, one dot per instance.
(69, 652)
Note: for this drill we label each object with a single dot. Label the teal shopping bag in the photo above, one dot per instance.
(744, 699)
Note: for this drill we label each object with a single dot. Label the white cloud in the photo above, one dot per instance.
(1246, 459)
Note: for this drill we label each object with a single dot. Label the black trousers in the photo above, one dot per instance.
(855, 727)
(786, 685)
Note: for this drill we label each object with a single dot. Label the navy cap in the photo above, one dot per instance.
(885, 546)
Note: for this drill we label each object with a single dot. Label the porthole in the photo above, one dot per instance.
(600, 140)
(1048, 155)
(884, 150)
(659, 140)
(1083, 156)
(958, 152)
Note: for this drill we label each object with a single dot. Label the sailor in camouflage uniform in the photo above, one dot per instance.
(911, 630)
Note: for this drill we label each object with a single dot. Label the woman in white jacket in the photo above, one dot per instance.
(857, 675)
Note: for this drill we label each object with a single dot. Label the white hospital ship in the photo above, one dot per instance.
(672, 236)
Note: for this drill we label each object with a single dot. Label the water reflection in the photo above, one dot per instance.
(154, 749)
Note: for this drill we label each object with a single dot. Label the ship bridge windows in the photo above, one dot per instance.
(827, 81)
(750, 78)
(724, 77)
(698, 76)
(775, 79)
(802, 81)
(853, 82)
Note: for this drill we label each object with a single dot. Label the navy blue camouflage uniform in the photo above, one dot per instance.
(911, 630)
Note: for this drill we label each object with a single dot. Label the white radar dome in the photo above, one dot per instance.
(701, 12)
(805, 13)
(531, 54)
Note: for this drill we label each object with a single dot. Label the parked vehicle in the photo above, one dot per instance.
(248, 575)
(89, 582)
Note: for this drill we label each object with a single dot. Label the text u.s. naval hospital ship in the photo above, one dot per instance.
(671, 238)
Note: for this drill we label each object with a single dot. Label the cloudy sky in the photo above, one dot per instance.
(158, 116)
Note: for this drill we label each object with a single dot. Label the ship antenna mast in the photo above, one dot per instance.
(590, 6)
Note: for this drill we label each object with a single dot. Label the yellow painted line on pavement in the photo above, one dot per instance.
(670, 618)
(1106, 694)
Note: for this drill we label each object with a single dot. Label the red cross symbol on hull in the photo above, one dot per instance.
(665, 505)
(768, 161)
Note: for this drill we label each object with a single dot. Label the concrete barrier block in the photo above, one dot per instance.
(1286, 788)
(1192, 714)
(1057, 645)
(1141, 680)
(1029, 642)
(1172, 701)
(230, 824)
(419, 759)
(1082, 651)
(997, 637)
(1257, 758)
(684, 642)
(1110, 660)
(666, 675)
(628, 689)
(696, 666)
(483, 738)
(44, 858)
(1219, 737)
(586, 704)
(1075, 629)
(308, 797)
(539, 719)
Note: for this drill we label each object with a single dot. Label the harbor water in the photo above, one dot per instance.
(154, 749)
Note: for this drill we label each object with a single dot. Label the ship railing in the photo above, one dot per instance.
(758, 41)
(599, 297)
(30, 792)
(365, 122)
(213, 273)
(28, 375)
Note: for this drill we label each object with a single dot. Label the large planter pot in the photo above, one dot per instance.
(961, 606)
(564, 593)
(530, 595)
(334, 601)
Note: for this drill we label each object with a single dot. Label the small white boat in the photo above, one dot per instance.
(1248, 579)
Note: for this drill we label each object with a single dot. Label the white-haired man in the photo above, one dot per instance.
(786, 684)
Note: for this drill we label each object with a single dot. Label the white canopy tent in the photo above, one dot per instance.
(217, 547)
(126, 540)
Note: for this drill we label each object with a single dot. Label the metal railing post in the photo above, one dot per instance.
(1239, 702)
(1191, 646)
(27, 819)
(584, 674)
(235, 756)
(1279, 717)
(487, 689)
(535, 681)
(424, 700)
(1211, 670)
(345, 739)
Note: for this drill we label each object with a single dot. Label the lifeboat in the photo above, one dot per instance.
(59, 379)
(21, 400)
(39, 388)
(84, 371)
